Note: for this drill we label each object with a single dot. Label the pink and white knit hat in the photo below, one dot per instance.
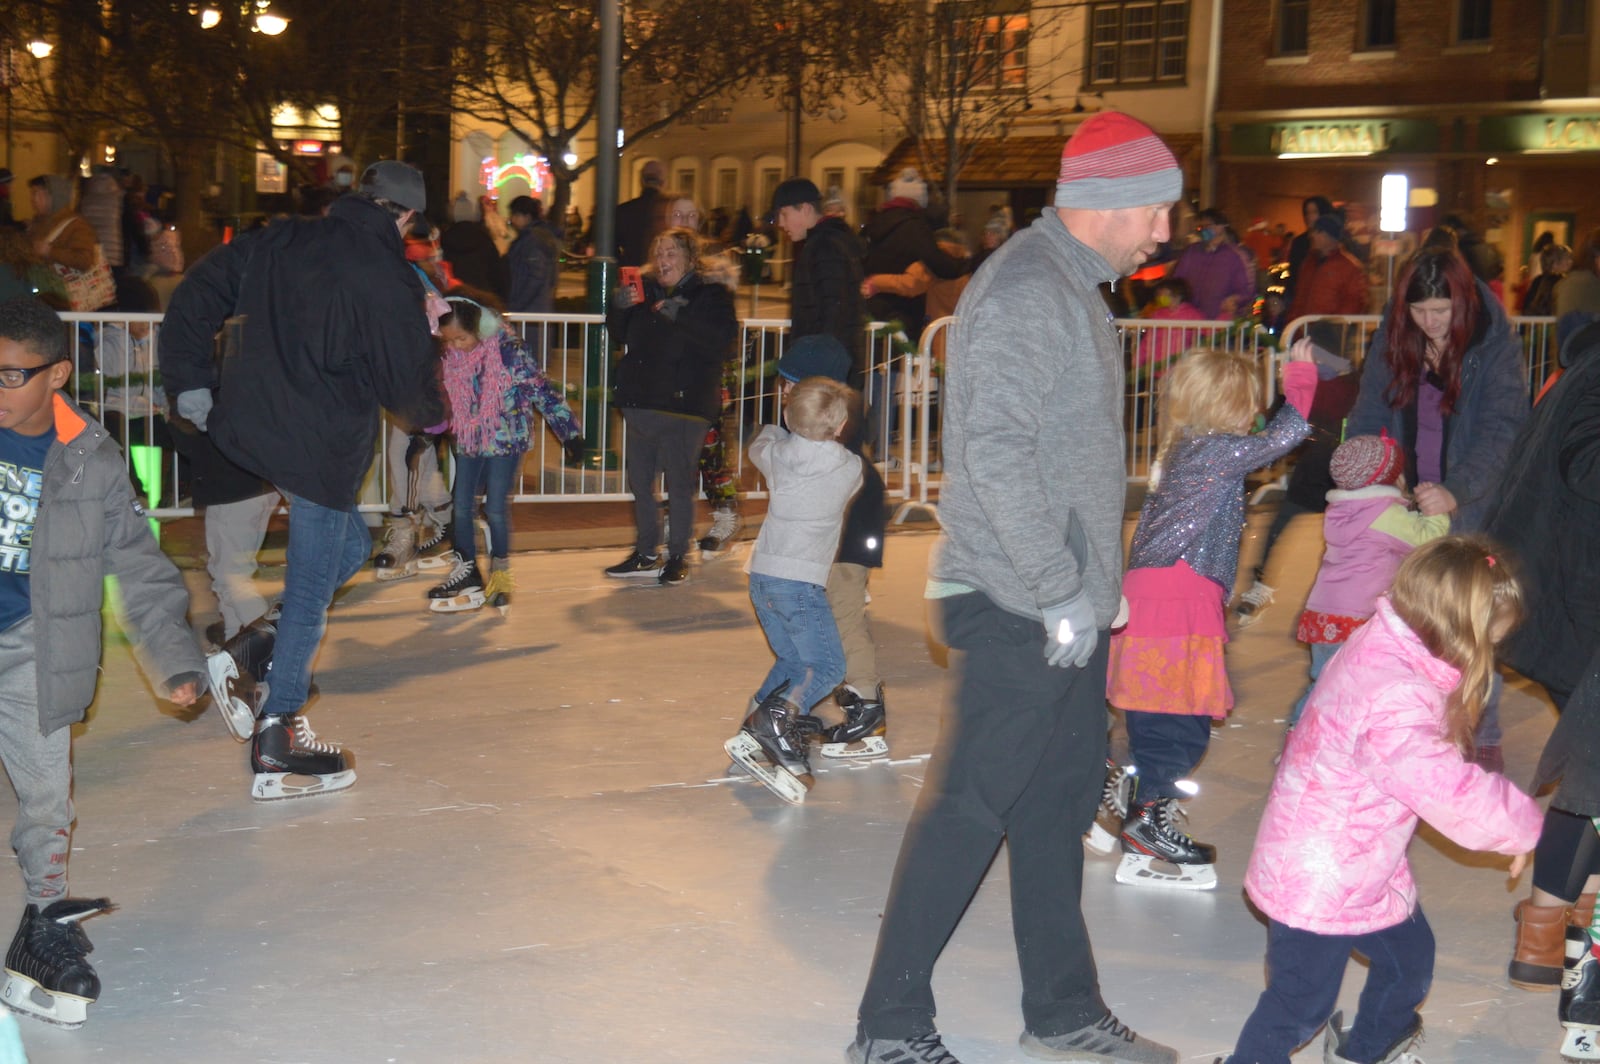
(1115, 161)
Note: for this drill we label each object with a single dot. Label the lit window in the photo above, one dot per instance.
(989, 51)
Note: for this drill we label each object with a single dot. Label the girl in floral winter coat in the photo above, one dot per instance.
(1385, 741)
(494, 385)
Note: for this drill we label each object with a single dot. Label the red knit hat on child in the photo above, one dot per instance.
(1115, 161)
(1362, 461)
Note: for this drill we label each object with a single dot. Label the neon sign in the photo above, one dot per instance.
(532, 169)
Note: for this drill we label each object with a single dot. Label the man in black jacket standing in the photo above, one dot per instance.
(825, 294)
(322, 323)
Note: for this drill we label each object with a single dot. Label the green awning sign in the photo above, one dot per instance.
(1334, 137)
(1539, 133)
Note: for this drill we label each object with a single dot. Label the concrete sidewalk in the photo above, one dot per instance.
(543, 861)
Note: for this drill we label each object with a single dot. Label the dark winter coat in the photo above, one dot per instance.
(531, 263)
(673, 361)
(90, 526)
(637, 222)
(825, 296)
(326, 324)
(473, 257)
(897, 236)
(865, 521)
(1547, 513)
(1490, 410)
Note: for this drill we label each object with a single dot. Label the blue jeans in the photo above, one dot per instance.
(492, 475)
(326, 548)
(1164, 748)
(800, 629)
(1321, 654)
(1304, 970)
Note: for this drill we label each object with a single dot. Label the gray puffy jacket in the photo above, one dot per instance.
(90, 526)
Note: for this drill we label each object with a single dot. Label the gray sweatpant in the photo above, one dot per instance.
(431, 491)
(40, 767)
(234, 532)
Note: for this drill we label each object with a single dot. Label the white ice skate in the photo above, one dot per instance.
(398, 558)
(236, 712)
(276, 786)
(744, 749)
(1143, 870)
(1579, 1006)
(1157, 852)
(1581, 1043)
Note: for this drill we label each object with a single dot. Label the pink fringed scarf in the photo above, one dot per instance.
(477, 382)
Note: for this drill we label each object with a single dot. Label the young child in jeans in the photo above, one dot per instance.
(810, 478)
(72, 520)
(1384, 742)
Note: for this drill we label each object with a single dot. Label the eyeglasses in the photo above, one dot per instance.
(13, 377)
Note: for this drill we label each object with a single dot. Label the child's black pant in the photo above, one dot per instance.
(1304, 971)
(1164, 747)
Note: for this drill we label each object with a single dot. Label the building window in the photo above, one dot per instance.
(1572, 18)
(727, 196)
(990, 49)
(1377, 24)
(1472, 21)
(1294, 27)
(770, 177)
(866, 193)
(1139, 42)
(686, 185)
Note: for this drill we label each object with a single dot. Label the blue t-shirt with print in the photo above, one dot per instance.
(21, 476)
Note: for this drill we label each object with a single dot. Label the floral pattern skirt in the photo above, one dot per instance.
(1169, 657)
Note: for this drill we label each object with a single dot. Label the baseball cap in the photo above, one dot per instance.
(396, 182)
(793, 193)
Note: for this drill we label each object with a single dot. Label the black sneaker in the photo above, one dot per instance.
(636, 566)
(1107, 1039)
(676, 571)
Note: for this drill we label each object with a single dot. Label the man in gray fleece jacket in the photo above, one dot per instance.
(1025, 585)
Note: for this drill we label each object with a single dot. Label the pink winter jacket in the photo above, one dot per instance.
(1367, 759)
(1368, 532)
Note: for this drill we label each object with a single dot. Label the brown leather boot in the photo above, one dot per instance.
(1541, 943)
(1582, 912)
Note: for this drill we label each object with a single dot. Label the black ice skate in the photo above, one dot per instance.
(461, 590)
(1115, 797)
(1399, 1053)
(237, 674)
(1157, 852)
(773, 730)
(397, 559)
(861, 735)
(47, 969)
(1579, 1008)
(291, 762)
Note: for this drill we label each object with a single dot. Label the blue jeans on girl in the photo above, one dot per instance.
(492, 475)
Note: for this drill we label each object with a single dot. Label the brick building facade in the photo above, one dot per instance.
(1488, 106)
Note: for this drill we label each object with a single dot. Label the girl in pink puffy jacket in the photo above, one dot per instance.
(1386, 740)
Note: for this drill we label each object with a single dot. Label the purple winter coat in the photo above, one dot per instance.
(1365, 545)
(1367, 760)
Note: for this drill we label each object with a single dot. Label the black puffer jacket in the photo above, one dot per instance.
(676, 344)
(326, 325)
(826, 294)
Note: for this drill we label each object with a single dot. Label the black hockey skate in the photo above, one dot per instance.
(1115, 797)
(861, 735)
(47, 969)
(291, 762)
(1157, 852)
(773, 730)
(237, 674)
(1399, 1053)
(1579, 1008)
(461, 590)
(397, 559)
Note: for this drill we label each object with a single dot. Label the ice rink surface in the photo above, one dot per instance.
(543, 860)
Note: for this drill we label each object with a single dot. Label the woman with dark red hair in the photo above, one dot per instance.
(1445, 377)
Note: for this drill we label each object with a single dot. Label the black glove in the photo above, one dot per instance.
(574, 449)
(668, 308)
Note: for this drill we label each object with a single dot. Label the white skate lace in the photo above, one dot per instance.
(1111, 795)
(1258, 596)
(459, 573)
(398, 537)
(724, 523)
(433, 528)
(305, 739)
(1168, 817)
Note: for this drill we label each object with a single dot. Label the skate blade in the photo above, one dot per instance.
(1099, 841)
(27, 998)
(396, 573)
(1581, 1043)
(457, 603)
(433, 563)
(861, 749)
(780, 781)
(240, 719)
(1142, 870)
(277, 786)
